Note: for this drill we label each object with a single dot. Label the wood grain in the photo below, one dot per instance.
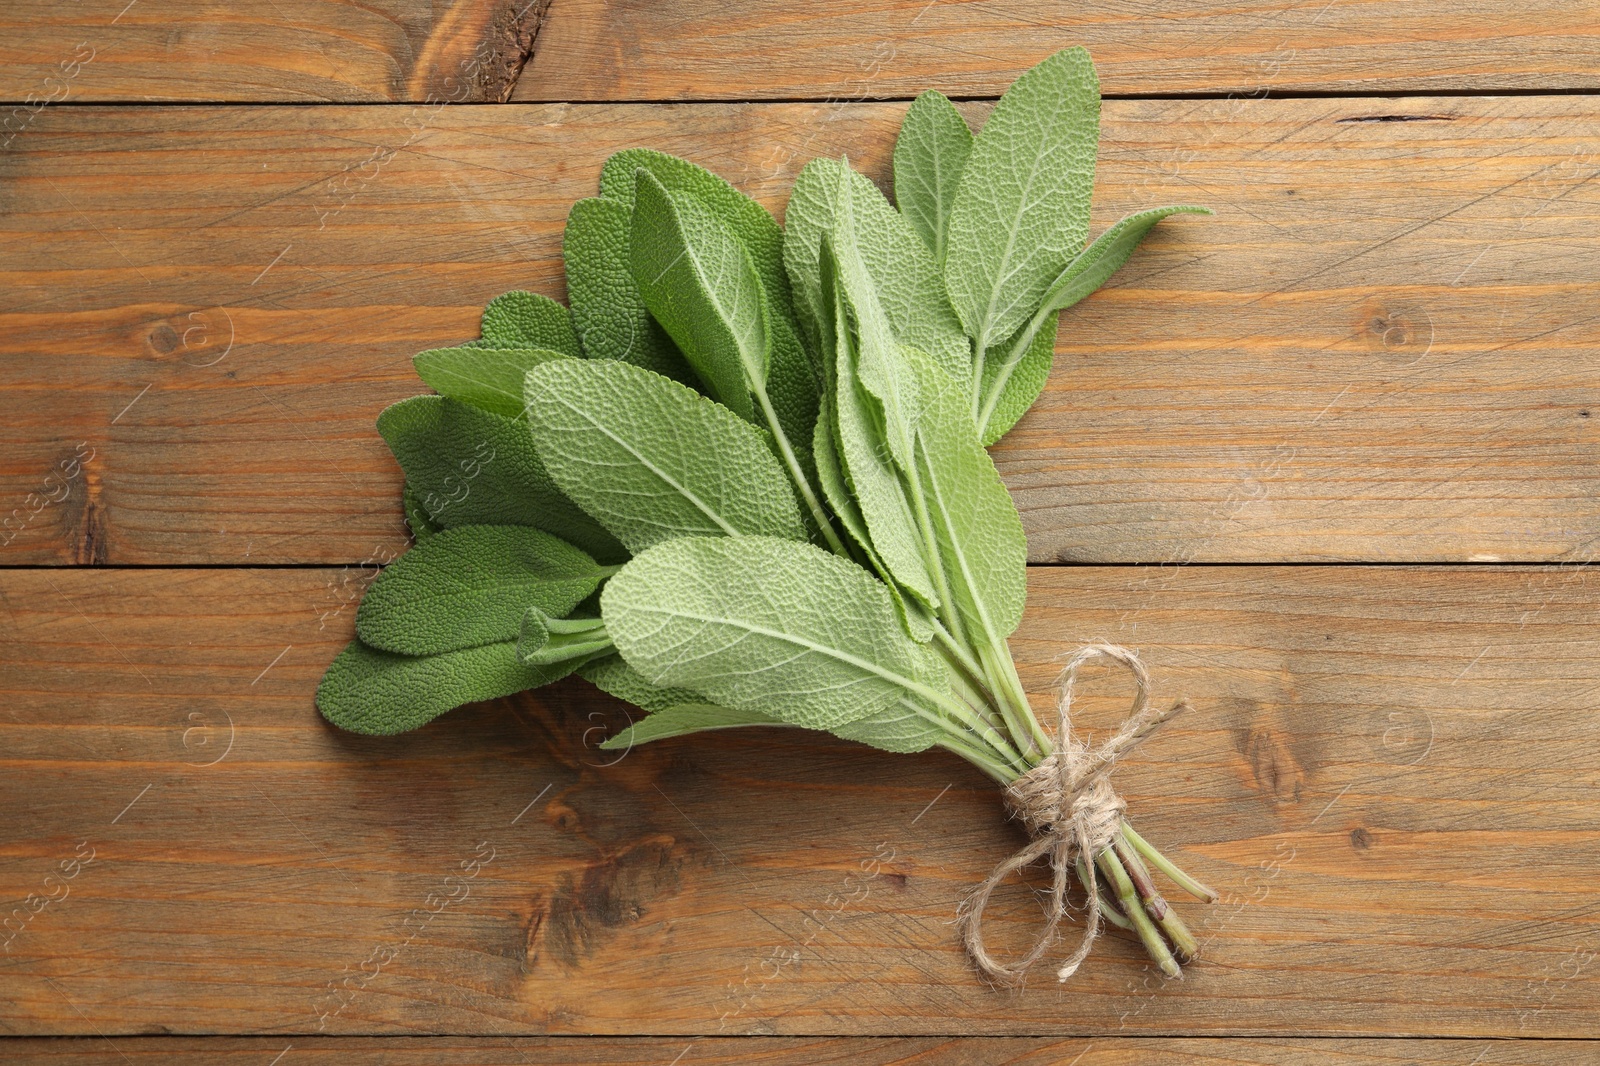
(1390, 773)
(1383, 347)
(783, 1051)
(403, 50)
(883, 49)
(284, 50)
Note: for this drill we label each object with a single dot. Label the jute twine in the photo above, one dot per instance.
(1069, 806)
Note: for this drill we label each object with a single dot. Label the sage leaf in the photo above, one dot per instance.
(380, 693)
(700, 284)
(791, 381)
(1022, 205)
(612, 675)
(877, 365)
(1092, 267)
(903, 726)
(470, 468)
(812, 641)
(982, 551)
(471, 585)
(651, 459)
(489, 379)
(869, 470)
(607, 310)
(682, 720)
(521, 319)
(1025, 354)
(422, 527)
(899, 728)
(830, 476)
(1011, 385)
(929, 156)
(748, 221)
(903, 271)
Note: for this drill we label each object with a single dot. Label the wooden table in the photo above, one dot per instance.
(1327, 460)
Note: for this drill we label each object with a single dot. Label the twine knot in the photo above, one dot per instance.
(1072, 813)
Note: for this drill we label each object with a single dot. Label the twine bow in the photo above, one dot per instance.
(1069, 806)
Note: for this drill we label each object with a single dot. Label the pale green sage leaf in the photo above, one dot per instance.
(651, 459)
(772, 626)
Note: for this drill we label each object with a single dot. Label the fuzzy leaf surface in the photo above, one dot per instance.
(878, 368)
(904, 275)
(792, 373)
(898, 728)
(469, 586)
(471, 468)
(982, 550)
(758, 624)
(489, 379)
(869, 470)
(380, 693)
(748, 221)
(929, 156)
(830, 477)
(607, 310)
(700, 284)
(521, 319)
(1022, 205)
(651, 459)
(1024, 380)
(1094, 266)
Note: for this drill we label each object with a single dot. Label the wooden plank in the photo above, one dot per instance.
(1390, 773)
(405, 50)
(884, 49)
(782, 1051)
(1384, 346)
(286, 50)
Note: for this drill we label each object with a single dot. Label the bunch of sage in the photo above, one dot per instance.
(743, 479)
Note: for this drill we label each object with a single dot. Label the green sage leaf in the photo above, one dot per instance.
(1022, 205)
(830, 476)
(759, 624)
(682, 720)
(982, 551)
(380, 693)
(609, 313)
(901, 727)
(472, 468)
(929, 156)
(878, 369)
(651, 459)
(791, 380)
(1094, 266)
(471, 585)
(699, 283)
(1023, 380)
(903, 272)
(748, 221)
(865, 459)
(521, 319)
(489, 379)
